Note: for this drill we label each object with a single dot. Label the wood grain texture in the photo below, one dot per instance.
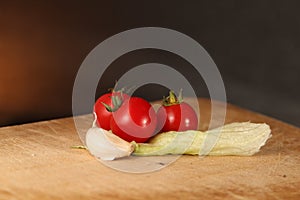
(36, 162)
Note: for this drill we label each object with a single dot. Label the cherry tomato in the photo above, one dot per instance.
(105, 105)
(175, 115)
(135, 120)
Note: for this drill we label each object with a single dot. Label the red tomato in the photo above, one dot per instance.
(104, 113)
(179, 117)
(175, 115)
(135, 120)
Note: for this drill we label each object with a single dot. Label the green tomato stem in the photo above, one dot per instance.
(172, 98)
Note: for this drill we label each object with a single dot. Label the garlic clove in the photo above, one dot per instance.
(107, 146)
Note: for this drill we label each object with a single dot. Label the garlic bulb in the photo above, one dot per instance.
(105, 145)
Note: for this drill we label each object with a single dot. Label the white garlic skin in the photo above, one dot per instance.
(107, 146)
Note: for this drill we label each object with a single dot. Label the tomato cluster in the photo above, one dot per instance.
(134, 119)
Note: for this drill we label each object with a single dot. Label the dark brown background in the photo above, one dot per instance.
(255, 44)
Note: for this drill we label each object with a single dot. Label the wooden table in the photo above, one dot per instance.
(36, 162)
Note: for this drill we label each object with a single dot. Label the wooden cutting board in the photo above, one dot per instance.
(36, 162)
